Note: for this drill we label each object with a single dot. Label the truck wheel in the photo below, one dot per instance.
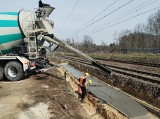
(1, 73)
(13, 71)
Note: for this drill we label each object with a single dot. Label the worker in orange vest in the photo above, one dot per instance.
(82, 86)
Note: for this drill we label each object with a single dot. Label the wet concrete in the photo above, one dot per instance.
(114, 97)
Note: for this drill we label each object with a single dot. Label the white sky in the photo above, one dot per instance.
(84, 12)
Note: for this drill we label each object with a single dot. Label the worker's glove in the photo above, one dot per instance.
(89, 82)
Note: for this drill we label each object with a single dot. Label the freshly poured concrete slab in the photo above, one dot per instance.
(113, 97)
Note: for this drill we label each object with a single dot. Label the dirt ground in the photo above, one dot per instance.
(42, 96)
(95, 108)
(39, 97)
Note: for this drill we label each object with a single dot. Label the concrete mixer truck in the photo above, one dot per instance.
(22, 35)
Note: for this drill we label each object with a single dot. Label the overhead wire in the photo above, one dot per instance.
(71, 11)
(100, 13)
(124, 20)
(105, 16)
(143, 5)
(131, 11)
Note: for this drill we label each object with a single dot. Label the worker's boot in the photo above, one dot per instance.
(79, 97)
(83, 100)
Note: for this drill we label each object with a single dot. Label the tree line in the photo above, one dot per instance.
(143, 38)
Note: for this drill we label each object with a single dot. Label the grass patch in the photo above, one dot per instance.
(142, 58)
(134, 57)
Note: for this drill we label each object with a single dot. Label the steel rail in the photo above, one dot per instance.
(146, 76)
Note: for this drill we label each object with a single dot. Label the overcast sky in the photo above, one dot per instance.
(84, 11)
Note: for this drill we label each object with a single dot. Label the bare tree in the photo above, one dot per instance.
(87, 44)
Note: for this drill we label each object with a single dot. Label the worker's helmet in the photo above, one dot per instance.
(86, 74)
(90, 81)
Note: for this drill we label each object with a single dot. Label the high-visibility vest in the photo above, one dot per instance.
(80, 84)
(81, 81)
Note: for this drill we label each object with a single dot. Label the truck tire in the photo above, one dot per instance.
(1, 73)
(13, 71)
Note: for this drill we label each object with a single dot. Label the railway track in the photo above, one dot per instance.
(126, 62)
(147, 77)
(134, 73)
(131, 62)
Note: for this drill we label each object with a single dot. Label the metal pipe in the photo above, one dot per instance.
(77, 52)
